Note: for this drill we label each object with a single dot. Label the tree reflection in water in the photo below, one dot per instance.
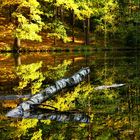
(114, 113)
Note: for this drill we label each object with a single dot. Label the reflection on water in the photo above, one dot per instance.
(114, 112)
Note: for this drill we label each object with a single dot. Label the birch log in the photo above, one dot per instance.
(49, 92)
(53, 115)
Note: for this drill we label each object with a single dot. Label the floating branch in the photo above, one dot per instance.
(49, 92)
(14, 97)
(109, 86)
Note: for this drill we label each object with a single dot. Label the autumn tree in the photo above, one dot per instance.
(53, 19)
(26, 20)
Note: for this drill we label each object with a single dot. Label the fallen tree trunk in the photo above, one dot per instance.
(49, 92)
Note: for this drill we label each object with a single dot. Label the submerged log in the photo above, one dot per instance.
(49, 92)
(53, 115)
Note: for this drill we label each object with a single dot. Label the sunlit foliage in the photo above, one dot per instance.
(57, 30)
(73, 100)
(25, 16)
(108, 11)
(114, 113)
(37, 135)
(56, 73)
(58, 18)
(6, 74)
(30, 75)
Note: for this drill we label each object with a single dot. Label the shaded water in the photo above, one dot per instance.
(114, 113)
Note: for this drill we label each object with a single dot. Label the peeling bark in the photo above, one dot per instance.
(47, 114)
(49, 92)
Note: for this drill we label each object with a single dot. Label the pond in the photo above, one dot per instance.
(81, 112)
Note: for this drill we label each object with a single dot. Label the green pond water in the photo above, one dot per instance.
(114, 112)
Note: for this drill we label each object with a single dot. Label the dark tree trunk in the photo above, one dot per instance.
(10, 14)
(73, 23)
(16, 45)
(55, 12)
(86, 30)
(54, 41)
(61, 13)
(17, 59)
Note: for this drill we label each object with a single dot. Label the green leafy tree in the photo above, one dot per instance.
(57, 31)
(56, 73)
(26, 20)
(128, 30)
(107, 23)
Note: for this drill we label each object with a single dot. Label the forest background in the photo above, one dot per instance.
(41, 24)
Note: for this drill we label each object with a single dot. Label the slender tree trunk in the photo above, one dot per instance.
(10, 13)
(62, 13)
(17, 44)
(86, 30)
(55, 12)
(105, 35)
(54, 39)
(17, 59)
(73, 23)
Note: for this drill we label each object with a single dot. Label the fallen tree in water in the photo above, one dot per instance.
(47, 93)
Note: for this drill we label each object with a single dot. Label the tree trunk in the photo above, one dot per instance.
(16, 45)
(10, 13)
(62, 13)
(73, 23)
(55, 12)
(54, 41)
(86, 30)
(17, 59)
